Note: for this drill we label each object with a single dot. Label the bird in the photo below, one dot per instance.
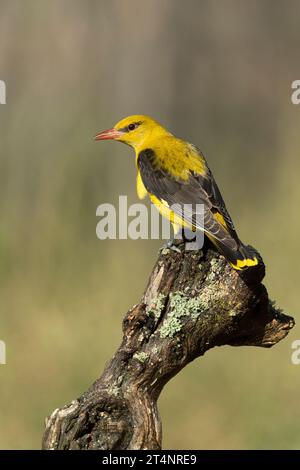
(174, 173)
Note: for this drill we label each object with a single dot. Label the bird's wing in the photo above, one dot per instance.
(184, 194)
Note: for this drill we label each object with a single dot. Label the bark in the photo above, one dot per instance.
(194, 301)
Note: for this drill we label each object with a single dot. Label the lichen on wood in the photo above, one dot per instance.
(193, 302)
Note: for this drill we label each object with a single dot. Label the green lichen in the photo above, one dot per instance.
(214, 270)
(180, 306)
(141, 356)
(195, 307)
(211, 276)
(156, 306)
(233, 313)
(164, 251)
(214, 262)
(170, 326)
(113, 390)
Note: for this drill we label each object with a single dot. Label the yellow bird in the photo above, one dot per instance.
(175, 174)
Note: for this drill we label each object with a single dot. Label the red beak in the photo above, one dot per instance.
(108, 134)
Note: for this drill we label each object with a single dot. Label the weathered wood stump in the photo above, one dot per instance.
(194, 301)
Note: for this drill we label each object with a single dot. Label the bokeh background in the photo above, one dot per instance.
(216, 73)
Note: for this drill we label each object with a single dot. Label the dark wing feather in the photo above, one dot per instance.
(213, 194)
(196, 190)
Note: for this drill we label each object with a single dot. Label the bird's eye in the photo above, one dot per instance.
(131, 127)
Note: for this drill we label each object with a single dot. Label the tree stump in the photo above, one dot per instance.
(193, 302)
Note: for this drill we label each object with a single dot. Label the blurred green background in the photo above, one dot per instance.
(215, 73)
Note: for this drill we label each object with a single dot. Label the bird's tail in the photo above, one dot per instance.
(241, 258)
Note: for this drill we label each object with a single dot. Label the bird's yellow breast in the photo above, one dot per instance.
(176, 156)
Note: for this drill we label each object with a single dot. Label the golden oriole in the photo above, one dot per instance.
(175, 173)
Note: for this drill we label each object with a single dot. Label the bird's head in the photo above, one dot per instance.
(134, 131)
